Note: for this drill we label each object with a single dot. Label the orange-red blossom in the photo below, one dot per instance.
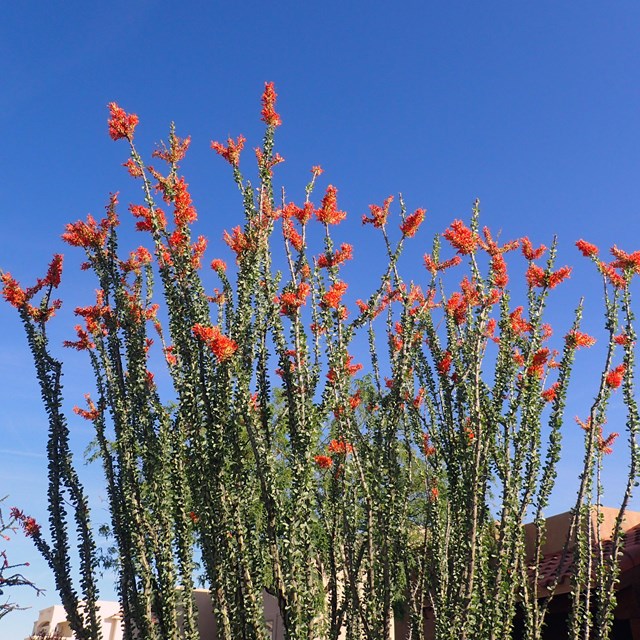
(625, 261)
(332, 298)
(433, 267)
(529, 252)
(444, 364)
(461, 237)
(340, 447)
(121, 123)
(30, 526)
(379, 214)
(538, 277)
(328, 213)
(540, 357)
(324, 462)
(428, 448)
(92, 414)
(549, 395)
(237, 241)
(291, 301)
(615, 377)
(412, 222)
(220, 345)
(603, 444)
(518, 324)
(349, 369)
(19, 298)
(230, 152)
(337, 257)
(577, 339)
(269, 114)
(587, 249)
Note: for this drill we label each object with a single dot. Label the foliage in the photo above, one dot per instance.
(401, 492)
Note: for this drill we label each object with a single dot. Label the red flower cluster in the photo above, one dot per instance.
(428, 448)
(626, 261)
(577, 339)
(457, 306)
(518, 324)
(92, 414)
(133, 168)
(121, 124)
(19, 298)
(29, 525)
(148, 217)
(95, 315)
(549, 395)
(355, 400)
(137, 260)
(603, 444)
(499, 271)
(231, 153)
(617, 280)
(328, 213)
(587, 249)
(220, 345)
(83, 343)
(170, 356)
(491, 246)
(238, 241)
(459, 302)
(529, 252)
(267, 163)
(540, 357)
(538, 277)
(12, 292)
(291, 234)
(340, 447)
(337, 258)
(269, 114)
(324, 462)
(444, 364)
(433, 266)
(332, 298)
(412, 222)
(89, 234)
(218, 265)
(185, 212)
(291, 301)
(302, 214)
(490, 330)
(54, 272)
(615, 377)
(177, 149)
(418, 399)
(461, 237)
(379, 215)
(349, 369)
(197, 251)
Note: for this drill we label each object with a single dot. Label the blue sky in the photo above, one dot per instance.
(531, 107)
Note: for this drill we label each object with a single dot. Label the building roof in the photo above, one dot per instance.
(557, 562)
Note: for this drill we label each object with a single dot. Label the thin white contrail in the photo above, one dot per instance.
(25, 454)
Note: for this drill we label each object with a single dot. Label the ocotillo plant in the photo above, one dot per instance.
(359, 489)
